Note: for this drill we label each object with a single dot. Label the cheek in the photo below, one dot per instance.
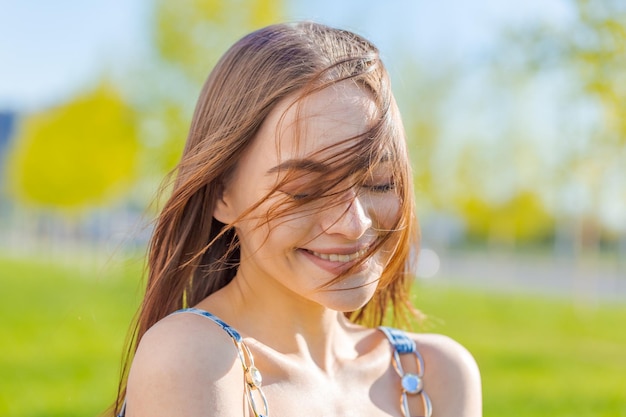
(269, 228)
(253, 230)
(385, 211)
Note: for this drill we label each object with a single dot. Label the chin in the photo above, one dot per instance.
(347, 298)
(353, 291)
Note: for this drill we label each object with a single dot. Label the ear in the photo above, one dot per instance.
(223, 210)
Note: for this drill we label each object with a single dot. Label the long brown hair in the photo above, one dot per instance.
(191, 254)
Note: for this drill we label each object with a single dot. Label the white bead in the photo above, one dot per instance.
(253, 377)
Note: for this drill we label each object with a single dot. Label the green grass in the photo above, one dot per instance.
(62, 332)
(61, 337)
(538, 357)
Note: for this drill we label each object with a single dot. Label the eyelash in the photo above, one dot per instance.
(296, 196)
(381, 188)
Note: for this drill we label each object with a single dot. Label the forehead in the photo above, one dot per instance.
(325, 120)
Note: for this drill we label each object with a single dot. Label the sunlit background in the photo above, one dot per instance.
(516, 118)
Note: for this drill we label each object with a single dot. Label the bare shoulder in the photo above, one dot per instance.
(185, 365)
(446, 354)
(452, 377)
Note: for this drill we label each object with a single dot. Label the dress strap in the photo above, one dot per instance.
(231, 332)
(411, 383)
(252, 376)
(399, 340)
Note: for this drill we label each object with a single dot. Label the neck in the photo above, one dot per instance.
(284, 321)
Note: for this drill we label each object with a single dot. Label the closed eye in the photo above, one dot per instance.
(299, 196)
(295, 196)
(380, 188)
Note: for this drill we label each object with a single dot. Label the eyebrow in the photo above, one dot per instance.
(311, 165)
(301, 165)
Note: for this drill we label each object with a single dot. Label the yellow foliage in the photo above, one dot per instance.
(192, 34)
(80, 154)
(264, 12)
(602, 63)
(522, 218)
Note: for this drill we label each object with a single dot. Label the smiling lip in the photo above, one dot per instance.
(339, 260)
(339, 257)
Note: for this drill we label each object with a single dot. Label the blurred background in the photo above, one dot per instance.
(516, 119)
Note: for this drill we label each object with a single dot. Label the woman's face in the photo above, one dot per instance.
(300, 252)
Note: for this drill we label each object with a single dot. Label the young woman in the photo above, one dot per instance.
(289, 231)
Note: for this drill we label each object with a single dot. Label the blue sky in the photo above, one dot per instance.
(49, 50)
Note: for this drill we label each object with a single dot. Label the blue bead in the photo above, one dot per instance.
(412, 384)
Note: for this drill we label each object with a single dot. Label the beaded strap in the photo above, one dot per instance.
(412, 384)
(252, 376)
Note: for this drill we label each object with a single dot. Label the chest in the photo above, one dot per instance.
(363, 394)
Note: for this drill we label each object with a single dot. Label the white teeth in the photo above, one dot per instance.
(335, 257)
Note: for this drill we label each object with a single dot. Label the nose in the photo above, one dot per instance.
(349, 218)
